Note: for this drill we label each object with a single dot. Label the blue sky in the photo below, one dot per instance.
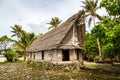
(33, 15)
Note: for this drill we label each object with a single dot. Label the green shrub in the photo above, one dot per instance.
(10, 55)
(33, 64)
(98, 59)
(91, 58)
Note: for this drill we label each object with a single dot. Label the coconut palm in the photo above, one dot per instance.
(54, 22)
(16, 29)
(91, 6)
(25, 41)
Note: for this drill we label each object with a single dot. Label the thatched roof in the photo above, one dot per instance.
(53, 38)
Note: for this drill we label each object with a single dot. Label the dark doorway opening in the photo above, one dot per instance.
(42, 55)
(65, 55)
(34, 56)
(77, 52)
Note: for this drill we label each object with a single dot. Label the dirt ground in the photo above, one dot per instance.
(92, 71)
(2, 59)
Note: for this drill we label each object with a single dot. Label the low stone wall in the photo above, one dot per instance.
(52, 66)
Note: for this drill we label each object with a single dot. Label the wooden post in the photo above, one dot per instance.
(99, 47)
(74, 56)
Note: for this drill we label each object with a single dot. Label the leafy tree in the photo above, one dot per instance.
(10, 55)
(91, 6)
(54, 22)
(109, 48)
(108, 51)
(116, 39)
(91, 46)
(112, 7)
(108, 32)
(4, 42)
(99, 33)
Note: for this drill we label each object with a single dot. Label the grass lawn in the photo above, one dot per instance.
(92, 71)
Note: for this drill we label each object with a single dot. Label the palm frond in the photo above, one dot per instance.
(50, 27)
(98, 16)
(96, 2)
(89, 21)
(97, 8)
(87, 15)
(83, 2)
(54, 22)
(13, 35)
(90, 7)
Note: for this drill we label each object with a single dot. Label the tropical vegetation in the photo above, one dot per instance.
(54, 22)
(105, 49)
(19, 46)
(90, 7)
(108, 33)
(24, 39)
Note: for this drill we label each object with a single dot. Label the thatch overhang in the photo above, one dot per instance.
(70, 47)
(52, 39)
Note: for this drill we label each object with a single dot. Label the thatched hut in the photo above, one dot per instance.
(63, 43)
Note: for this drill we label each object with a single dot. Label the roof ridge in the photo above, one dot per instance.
(80, 12)
(53, 38)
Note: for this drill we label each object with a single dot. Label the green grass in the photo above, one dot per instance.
(104, 66)
(92, 71)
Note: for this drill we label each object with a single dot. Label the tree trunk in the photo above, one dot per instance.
(111, 60)
(98, 42)
(25, 54)
(24, 58)
(9, 59)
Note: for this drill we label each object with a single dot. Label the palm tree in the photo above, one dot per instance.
(54, 22)
(17, 29)
(25, 41)
(91, 6)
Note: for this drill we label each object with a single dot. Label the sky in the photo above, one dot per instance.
(33, 15)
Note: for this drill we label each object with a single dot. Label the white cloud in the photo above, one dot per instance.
(36, 21)
(34, 14)
(40, 27)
